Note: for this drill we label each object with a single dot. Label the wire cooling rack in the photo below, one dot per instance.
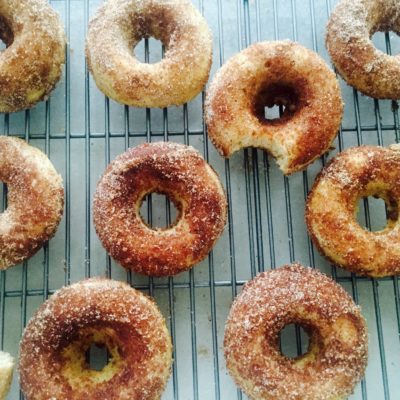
(82, 131)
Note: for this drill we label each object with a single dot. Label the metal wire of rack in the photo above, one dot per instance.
(82, 131)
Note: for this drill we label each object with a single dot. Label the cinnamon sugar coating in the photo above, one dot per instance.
(35, 200)
(359, 62)
(269, 73)
(31, 64)
(119, 25)
(332, 203)
(52, 353)
(7, 364)
(179, 172)
(337, 353)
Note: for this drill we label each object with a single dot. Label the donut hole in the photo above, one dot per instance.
(380, 41)
(6, 34)
(288, 337)
(274, 112)
(159, 211)
(97, 356)
(276, 103)
(376, 213)
(94, 355)
(149, 50)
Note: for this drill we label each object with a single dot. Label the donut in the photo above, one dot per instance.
(267, 74)
(98, 311)
(31, 64)
(6, 373)
(337, 353)
(358, 61)
(119, 25)
(35, 200)
(331, 210)
(180, 173)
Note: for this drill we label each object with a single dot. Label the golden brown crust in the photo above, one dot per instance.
(6, 373)
(131, 321)
(177, 171)
(332, 207)
(35, 200)
(337, 355)
(268, 73)
(31, 65)
(120, 24)
(359, 62)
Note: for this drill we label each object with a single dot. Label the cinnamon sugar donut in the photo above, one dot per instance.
(332, 203)
(6, 373)
(275, 73)
(35, 200)
(359, 62)
(119, 25)
(31, 64)
(179, 172)
(337, 353)
(52, 361)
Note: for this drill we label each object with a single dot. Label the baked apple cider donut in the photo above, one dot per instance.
(98, 311)
(172, 169)
(6, 373)
(31, 64)
(332, 203)
(35, 200)
(358, 61)
(337, 352)
(275, 73)
(119, 25)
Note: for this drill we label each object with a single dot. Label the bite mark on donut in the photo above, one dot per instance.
(280, 73)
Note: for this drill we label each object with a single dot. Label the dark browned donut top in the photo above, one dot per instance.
(181, 173)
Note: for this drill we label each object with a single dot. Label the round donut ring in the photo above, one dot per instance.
(98, 311)
(180, 173)
(268, 73)
(337, 353)
(119, 25)
(358, 61)
(31, 64)
(35, 200)
(332, 203)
